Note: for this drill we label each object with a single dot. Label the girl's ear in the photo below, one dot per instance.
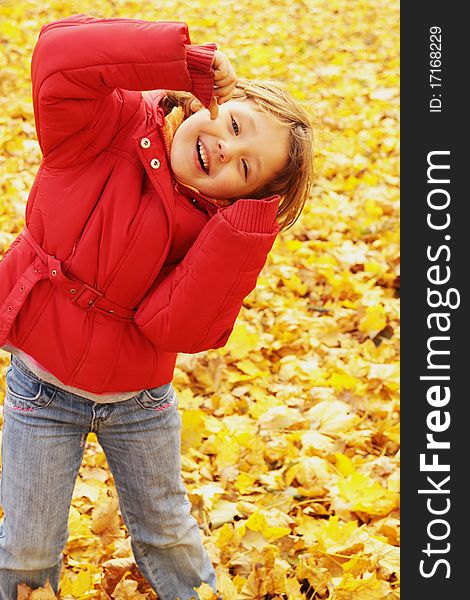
(195, 105)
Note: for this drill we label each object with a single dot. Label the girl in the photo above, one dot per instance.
(147, 225)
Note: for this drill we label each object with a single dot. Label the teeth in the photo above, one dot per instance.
(203, 156)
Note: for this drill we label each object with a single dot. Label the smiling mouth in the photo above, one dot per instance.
(202, 156)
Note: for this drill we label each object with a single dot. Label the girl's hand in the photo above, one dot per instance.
(224, 82)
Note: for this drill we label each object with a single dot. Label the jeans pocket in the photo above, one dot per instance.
(25, 392)
(157, 398)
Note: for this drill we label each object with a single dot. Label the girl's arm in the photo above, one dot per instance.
(82, 65)
(195, 307)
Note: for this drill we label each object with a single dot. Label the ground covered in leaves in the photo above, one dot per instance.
(291, 432)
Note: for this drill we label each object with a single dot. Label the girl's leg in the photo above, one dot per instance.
(141, 440)
(42, 451)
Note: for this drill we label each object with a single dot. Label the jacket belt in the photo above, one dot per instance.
(81, 294)
(16, 298)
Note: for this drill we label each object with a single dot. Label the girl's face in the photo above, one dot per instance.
(231, 156)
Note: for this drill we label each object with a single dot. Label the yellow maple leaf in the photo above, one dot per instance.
(262, 581)
(105, 519)
(250, 368)
(245, 438)
(244, 482)
(294, 283)
(126, 589)
(205, 592)
(242, 341)
(193, 428)
(228, 453)
(42, 593)
(366, 495)
(309, 528)
(91, 488)
(210, 492)
(11, 31)
(262, 405)
(344, 464)
(389, 373)
(335, 535)
(83, 582)
(373, 209)
(313, 471)
(258, 522)
(373, 321)
(118, 566)
(366, 588)
(357, 565)
(23, 591)
(292, 589)
(316, 441)
(222, 536)
(254, 587)
(332, 416)
(222, 512)
(341, 380)
(227, 588)
(79, 525)
(280, 417)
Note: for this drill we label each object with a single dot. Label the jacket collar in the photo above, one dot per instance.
(197, 198)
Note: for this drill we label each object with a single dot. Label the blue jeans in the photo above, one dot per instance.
(42, 451)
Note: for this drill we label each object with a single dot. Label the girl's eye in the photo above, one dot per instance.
(236, 130)
(235, 127)
(245, 168)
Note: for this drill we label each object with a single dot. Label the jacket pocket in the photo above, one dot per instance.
(25, 392)
(157, 398)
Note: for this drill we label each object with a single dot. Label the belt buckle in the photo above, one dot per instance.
(86, 296)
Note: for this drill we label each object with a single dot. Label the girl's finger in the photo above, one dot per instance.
(224, 99)
(228, 83)
(225, 82)
(214, 108)
(228, 74)
(224, 93)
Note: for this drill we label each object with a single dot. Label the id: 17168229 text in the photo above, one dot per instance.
(435, 71)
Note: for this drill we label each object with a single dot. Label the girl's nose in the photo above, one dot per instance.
(225, 150)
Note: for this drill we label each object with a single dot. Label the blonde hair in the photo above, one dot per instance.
(294, 182)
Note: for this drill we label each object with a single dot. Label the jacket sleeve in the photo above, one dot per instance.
(194, 308)
(81, 67)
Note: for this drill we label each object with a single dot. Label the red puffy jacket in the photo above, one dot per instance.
(119, 268)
